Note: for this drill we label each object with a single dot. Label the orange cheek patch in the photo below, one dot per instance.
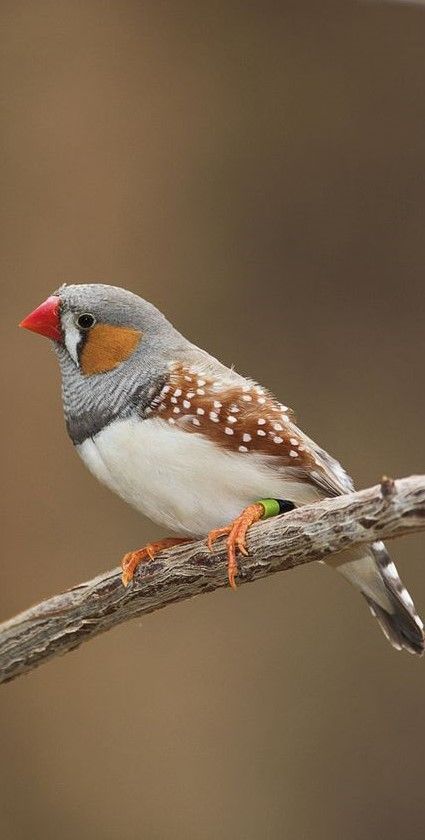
(106, 347)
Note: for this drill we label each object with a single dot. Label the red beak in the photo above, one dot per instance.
(45, 319)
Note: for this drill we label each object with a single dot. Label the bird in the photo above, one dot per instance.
(195, 446)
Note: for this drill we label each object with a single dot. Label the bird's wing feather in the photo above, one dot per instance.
(243, 417)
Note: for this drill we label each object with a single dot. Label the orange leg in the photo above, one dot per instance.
(130, 561)
(236, 533)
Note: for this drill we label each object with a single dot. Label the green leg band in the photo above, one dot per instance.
(271, 507)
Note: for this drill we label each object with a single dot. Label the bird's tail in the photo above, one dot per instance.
(374, 573)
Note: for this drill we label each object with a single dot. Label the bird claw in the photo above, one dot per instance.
(133, 559)
(241, 546)
(214, 535)
(236, 533)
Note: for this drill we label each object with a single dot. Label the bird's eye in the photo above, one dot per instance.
(85, 321)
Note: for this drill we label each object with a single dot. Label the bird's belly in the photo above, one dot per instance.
(183, 481)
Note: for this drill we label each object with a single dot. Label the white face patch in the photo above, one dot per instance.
(72, 335)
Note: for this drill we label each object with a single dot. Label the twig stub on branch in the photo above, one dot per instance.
(388, 487)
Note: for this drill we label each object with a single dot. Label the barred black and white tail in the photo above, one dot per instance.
(375, 574)
(402, 626)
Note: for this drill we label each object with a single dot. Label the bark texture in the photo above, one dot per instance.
(314, 532)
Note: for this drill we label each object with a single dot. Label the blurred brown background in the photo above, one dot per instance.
(256, 170)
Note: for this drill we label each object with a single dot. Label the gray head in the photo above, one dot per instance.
(114, 349)
(102, 326)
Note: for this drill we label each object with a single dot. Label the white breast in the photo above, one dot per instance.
(182, 480)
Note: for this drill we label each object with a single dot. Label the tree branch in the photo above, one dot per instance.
(63, 622)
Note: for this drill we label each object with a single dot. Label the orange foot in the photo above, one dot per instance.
(236, 539)
(130, 561)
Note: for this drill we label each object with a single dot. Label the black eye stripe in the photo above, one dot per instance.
(86, 320)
